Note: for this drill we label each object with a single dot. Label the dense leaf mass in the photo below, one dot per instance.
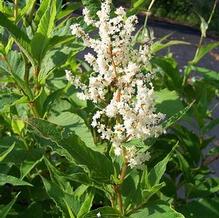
(86, 136)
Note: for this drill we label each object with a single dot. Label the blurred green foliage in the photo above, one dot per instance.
(185, 11)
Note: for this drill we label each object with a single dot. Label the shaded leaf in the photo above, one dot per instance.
(4, 179)
(86, 206)
(96, 164)
(63, 200)
(106, 212)
(154, 176)
(168, 102)
(203, 50)
(19, 36)
(76, 124)
(43, 33)
(4, 154)
(157, 46)
(172, 120)
(6, 209)
(201, 208)
(157, 210)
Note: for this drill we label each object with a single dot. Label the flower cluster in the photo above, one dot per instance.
(118, 83)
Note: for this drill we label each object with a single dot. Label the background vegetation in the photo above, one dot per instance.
(185, 12)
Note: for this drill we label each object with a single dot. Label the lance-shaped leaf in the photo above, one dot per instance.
(156, 173)
(76, 124)
(203, 50)
(173, 119)
(157, 46)
(106, 212)
(4, 179)
(40, 41)
(99, 167)
(4, 154)
(63, 200)
(19, 36)
(44, 4)
(6, 209)
(157, 210)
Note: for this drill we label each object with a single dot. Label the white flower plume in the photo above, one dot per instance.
(118, 81)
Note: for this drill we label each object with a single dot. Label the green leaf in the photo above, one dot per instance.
(208, 74)
(44, 4)
(17, 126)
(61, 178)
(47, 105)
(172, 120)
(56, 41)
(4, 154)
(23, 86)
(105, 212)
(43, 33)
(52, 61)
(154, 176)
(98, 166)
(157, 210)
(168, 102)
(86, 206)
(157, 46)
(6, 209)
(136, 6)
(19, 36)
(30, 162)
(76, 124)
(8, 100)
(169, 68)
(14, 63)
(69, 9)
(63, 200)
(4, 179)
(184, 166)
(28, 8)
(201, 208)
(203, 50)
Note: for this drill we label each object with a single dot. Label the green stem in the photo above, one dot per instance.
(36, 74)
(32, 105)
(208, 22)
(148, 12)
(15, 9)
(212, 11)
(121, 178)
(187, 72)
(119, 198)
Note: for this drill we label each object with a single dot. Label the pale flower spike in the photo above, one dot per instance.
(117, 68)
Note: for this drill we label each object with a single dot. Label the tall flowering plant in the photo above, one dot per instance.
(121, 88)
(121, 83)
